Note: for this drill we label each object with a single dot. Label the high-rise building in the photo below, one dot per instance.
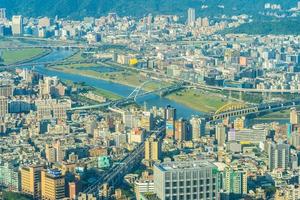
(17, 25)
(50, 153)
(2, 14)
(3, 106)
(170, 113)
(147, 121)
(144, 185)
(295, 140)
(239, 123)
(52, 108)
(72, 190)
(170, 117)
(54, 153)
(278, 155)
(31, 179)
(220, 134)
(191, 17)
(181, 130)
(52, 185)
(10, 177)
(152, 150)
(197, 127)
(6, 90)
(60, 154)
(248, 135)
(234, 182)
(186, 180)
(294, 116)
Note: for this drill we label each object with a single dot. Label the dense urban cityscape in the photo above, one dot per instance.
(158, 107)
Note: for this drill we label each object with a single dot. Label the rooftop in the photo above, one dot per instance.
(173, 166)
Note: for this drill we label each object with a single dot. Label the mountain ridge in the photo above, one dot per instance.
(80, 8)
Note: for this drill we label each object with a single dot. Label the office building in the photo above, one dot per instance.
(197, 127)
(295, 140)
(191, 17)
(144, 185)
(52, 108)
(10, 177)
(220, 134)
(278, 156)
(186, 180)
(50, 153)
(248, 135)
(6, 90)
(182, 130)
(239, 123)
(31, 179)
(52, 185)
(3, 106)
(234, 183)
(294, 116)
(147, 121)
(17, 25)
(170, 117)
(54, 153)
(152, 150)
(72, 190)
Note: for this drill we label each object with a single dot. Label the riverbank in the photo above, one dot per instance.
(201, 101)
(279, 115)
(97, 91)
(129, 77)
(12, 56)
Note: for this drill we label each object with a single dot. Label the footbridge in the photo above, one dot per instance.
(132, 97)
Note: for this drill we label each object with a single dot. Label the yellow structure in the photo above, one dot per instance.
(30, 180)
(245, 142)
(52, 185)
(133, 61)
(152, 150)
(231, 107)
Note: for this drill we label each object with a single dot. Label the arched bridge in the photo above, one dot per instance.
(235, 109)
(132, 97)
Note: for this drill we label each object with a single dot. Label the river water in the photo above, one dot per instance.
(119, 89)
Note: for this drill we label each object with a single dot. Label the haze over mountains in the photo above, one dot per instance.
(81, 8)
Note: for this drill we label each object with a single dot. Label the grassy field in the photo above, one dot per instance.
(76, 57)
(130, 78)
(199, 100)
(107, 94)
(13, 56)
(284, 114)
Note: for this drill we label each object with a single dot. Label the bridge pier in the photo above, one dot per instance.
(230, 94)
(241, 95)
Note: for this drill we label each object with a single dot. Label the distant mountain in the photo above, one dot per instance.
(80, 8)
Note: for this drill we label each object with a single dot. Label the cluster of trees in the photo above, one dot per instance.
(274, 27)
(79, 8)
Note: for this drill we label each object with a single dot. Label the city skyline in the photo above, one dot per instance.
(200, 100)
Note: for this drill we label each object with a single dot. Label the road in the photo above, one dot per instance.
(118, 171)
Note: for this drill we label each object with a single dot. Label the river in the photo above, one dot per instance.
(119, 89)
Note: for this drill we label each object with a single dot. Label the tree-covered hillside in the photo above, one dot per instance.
(81, 8)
